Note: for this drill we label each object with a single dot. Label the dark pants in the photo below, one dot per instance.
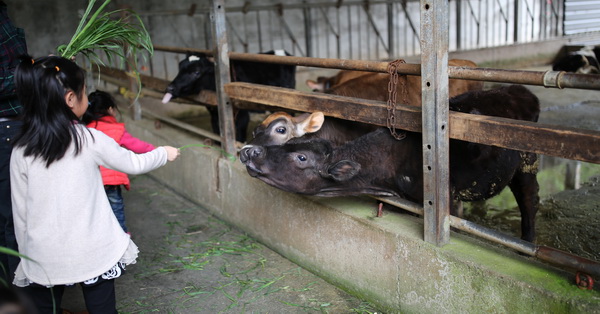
(8, 263)
(115, 198)
(99, 298)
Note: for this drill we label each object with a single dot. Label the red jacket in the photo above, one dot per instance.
(109, 126)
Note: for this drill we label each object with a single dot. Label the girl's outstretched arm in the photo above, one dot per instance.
(134, 144)
(109, 154)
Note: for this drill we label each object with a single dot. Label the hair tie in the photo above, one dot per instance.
(57, 68)
(32, 61)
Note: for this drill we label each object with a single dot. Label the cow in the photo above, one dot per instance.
(280, 127)
(374, 86)
(584, 61)
(378, 164)
(197, 73)
(324, 83)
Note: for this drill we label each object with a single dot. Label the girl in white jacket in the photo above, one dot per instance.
(63, 222)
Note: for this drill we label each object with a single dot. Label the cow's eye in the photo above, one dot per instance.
(281, 130)
(301, 157)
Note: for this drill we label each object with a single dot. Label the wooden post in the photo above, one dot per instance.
(434, 77)
(573, 175)
(221, 50)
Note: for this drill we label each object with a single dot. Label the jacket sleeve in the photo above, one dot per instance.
(110, 155)
(134, 144)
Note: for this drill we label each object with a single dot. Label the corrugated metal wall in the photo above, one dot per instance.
(581, 16)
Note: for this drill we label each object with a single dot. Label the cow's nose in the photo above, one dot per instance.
(256, 151)
(249, 152)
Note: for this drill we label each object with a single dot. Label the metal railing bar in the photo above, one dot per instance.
(553, 79)
(547, 254)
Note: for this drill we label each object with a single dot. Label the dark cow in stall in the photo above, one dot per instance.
(378, 164)
(197, 73)
(584, 61)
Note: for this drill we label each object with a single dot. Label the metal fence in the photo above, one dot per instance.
(365, 30)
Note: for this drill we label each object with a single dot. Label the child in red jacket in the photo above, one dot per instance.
(100, 115)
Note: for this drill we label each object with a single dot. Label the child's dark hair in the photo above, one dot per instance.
(100, 103)
(49, 124)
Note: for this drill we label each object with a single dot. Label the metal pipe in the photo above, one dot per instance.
(555, 79)
(544, 253)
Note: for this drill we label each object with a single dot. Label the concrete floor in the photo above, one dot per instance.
(192, 262)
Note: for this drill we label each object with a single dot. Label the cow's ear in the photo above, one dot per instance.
(317, 87)
(343, 170)
(306, 123)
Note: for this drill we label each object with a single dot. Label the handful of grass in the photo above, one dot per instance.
(119, 34)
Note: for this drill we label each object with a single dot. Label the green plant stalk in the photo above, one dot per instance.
(87, 25)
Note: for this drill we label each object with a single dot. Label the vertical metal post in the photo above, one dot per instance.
(516, 22)
(434, 71)
(221, 56)
(391, 38)
(458, 24)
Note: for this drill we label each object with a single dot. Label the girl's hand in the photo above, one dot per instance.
(172, 152)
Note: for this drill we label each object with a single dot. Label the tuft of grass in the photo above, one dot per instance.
(120, 34)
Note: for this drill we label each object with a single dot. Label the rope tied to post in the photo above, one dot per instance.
(392, 93)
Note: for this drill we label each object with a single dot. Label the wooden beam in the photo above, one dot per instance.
(528, 136)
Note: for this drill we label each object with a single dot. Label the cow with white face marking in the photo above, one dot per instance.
(583, 61)
(378, 164)
(281, 127)
(197, 73)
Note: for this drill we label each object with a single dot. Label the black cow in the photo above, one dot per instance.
(197, 73)
(583, 61)
(378, 164)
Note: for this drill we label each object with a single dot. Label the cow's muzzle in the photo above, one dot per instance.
(249, 152)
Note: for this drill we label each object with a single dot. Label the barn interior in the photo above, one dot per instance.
(335, 254)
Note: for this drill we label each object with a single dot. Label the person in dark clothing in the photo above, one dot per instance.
(12, 45)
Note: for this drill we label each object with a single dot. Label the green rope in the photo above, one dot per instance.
(229, 156)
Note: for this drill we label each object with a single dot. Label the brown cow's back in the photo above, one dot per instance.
(374, 86)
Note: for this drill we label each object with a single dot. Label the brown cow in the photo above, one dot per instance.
(324, 83)
(374, 86)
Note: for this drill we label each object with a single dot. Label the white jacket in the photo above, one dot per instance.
(63, 220)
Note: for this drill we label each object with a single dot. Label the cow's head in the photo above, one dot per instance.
(320, 85)
(196, 72)
(303, 167)
(281, 127)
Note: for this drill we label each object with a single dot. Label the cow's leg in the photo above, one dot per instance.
(242, 119)
(214, 119)
(525, 188)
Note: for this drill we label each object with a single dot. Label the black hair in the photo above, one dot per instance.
(100, 103)
(49, 125)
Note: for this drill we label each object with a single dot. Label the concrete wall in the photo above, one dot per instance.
(383, 260)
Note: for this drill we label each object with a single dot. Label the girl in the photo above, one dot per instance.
(100, 115)
(63, 221)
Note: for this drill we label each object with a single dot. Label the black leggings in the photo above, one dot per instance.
(99, 298)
